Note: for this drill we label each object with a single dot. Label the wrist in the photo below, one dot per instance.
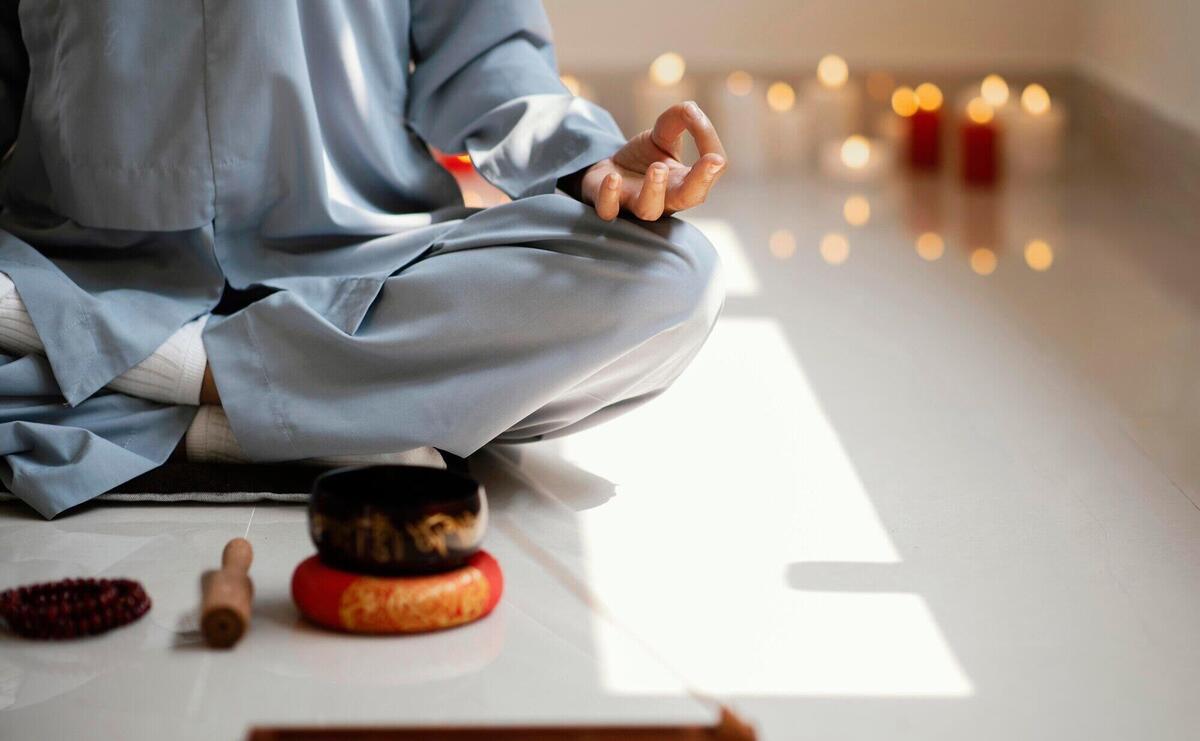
(572, 184)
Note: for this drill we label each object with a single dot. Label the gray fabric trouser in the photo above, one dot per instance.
(523, 321)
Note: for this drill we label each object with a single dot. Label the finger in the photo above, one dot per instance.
(608, 198)
(686, 117)
(695, 186)
(648, 206)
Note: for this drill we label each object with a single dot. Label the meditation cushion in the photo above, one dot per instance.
(361, 603)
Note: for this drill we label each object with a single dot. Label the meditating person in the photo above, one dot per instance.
(222, 232)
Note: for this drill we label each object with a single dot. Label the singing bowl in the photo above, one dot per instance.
(396, 520)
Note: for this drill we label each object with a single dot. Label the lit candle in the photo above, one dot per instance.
(1034, 135)
(739, 113)
(979, 143)
(787, 129)
(833, 104)
(925, 122)
(994, 91)
(664, 86)
(856, 159)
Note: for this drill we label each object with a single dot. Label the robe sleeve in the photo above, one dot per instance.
(14, 75)
(485, 81)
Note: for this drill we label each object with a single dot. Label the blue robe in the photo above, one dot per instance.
(160, 155)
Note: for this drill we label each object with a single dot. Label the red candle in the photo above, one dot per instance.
(924, 139)
(925, 136)
(979, 144)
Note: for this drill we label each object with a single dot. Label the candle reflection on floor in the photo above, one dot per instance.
(1039, 255)
(856, 210)
(782, 244)
(835, 249)
(983, 261)
(930, 246)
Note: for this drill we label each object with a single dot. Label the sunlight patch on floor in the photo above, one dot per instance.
(692, 552)
(740, 279)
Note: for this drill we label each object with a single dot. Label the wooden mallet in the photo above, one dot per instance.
(225, 596)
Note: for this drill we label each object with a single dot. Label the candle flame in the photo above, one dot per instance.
(739, 82)
(832, 71)
(781, 97)
(929, 96)
(834, 248)
(667, 69)
(979, 111)
(1035, 99)
(930, 246)
(994, 90)
(904, 101)
(856, 152)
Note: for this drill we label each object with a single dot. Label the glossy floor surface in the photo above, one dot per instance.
(915, 487)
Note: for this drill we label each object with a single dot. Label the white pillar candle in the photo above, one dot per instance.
(833, 104)
(1034, 135)
(787, 130)
(740, 114)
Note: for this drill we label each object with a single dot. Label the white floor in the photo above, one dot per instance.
(893, 498)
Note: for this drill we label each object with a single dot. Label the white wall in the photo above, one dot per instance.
(616, 34)
(1148, 49)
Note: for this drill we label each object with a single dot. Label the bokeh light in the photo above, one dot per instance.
(983, 261)
(781, 97)
(1035, 99)
(782, 243)
(667, 69)
(1039, 255)
(929, 96)
(834, 248)
(904, 101)
(739, 82)
(979, 111)
(571, 82)
(856, 152)
(930, 246)
(832, 71)
(856, 210)
(994, 90)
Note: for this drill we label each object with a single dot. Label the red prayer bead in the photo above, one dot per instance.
(72, 607)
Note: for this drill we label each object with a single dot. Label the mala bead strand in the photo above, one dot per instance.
(72, 608)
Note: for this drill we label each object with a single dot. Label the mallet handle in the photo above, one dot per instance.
(225, 596)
